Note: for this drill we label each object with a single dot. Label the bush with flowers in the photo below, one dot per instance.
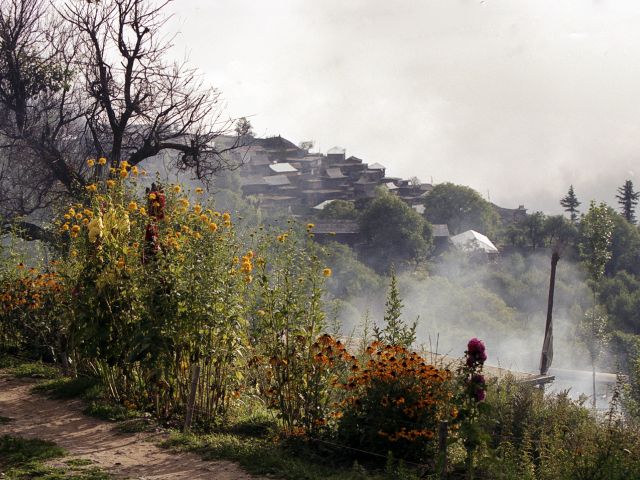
(393, 402)
(286, 327)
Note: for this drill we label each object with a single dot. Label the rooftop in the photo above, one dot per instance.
(283, 167)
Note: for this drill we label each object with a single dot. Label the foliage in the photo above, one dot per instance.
(394, 330)
(461, 208)
(596, 229)
(570, 204)
(549, 436)
(394, 401)
(628, 199)
(395, 233)
(339, 209)
(21, 459)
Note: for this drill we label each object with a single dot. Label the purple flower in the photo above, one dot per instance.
(479, 394)
(476, 353)
(478, 379)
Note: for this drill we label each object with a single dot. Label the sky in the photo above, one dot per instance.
(516, 99)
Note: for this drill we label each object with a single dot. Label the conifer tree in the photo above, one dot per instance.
(570, 204)
(628, 199)
(395, 331)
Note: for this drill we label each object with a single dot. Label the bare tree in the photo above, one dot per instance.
(91, 78)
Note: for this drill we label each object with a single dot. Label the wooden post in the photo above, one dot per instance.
(443, 431)
(547, 346)
(195, 376)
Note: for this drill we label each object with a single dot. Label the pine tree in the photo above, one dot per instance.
(628, 199)
(395, 331)
(570, 204)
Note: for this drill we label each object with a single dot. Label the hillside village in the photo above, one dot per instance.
(281, 176)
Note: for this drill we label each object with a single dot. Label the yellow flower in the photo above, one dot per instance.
(248, 279)
(133, 206)
(124, 164)
(204, 218)
(152, 196)
(177, 188)
(250, 254)
(78, 216)
(135, 245)
(85, 221)
(197, 209)
(142, 211)
(143, 173)
(67, 216)
(124, 173)
(75, 228)
(102, 161)
(88, 213)
(326, 272)
(74, 253)
(120, 264)
(95, 229)
(92, 188)
(65, 227)
(111, 183)
(199, 190)
(310, 226)
(112, 171)
(134, 171)
(91, 162)
(226, 217)
(213, 226)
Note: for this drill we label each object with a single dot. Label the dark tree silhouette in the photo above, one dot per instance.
(81, 79)
(628, 199)
(570, 204)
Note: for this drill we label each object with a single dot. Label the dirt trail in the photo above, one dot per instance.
(123, 455)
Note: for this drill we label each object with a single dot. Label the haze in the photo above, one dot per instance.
(516, 99)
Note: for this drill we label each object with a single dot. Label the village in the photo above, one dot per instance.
(280, 176)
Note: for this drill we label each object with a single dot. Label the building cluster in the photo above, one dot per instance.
(280, 175)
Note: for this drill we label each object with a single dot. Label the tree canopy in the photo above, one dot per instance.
(461, 208)
(395, 233)
(628, 199)
(570, 204)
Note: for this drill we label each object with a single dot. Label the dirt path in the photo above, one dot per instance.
(123, 455)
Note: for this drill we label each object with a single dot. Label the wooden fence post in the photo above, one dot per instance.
(195, 376)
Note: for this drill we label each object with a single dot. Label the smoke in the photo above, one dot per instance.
(502, 302)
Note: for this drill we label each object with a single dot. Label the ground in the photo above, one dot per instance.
(124, 455)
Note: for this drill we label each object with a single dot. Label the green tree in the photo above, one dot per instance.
(395, 331)
(395, 233)
(534, 228)
(461, 208)
(570, 204)
(628, 199)
(339, 210)
(595, 249)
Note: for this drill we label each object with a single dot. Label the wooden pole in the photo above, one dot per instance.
(195, 376)
(547, 346)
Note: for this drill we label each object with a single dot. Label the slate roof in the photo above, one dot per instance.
(336, 226)
(277, 180)
(471, 241)
(283, 167)
(334, 173)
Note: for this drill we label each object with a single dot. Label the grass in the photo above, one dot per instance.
(22, 459)
(87, 389)
(63, 388)
(292, 461)
(34, 370)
